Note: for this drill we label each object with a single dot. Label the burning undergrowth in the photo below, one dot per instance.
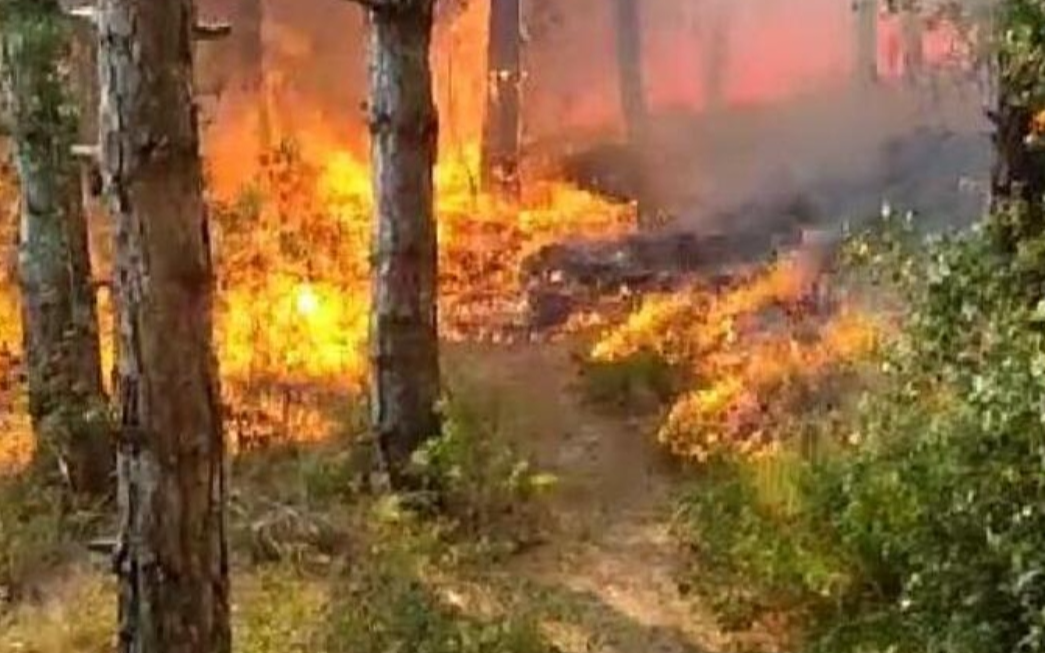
(292, 254)
(13, 410)
(751, 351)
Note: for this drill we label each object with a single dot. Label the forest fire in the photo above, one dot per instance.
(752, 352)
(293, 198)
(294, 276)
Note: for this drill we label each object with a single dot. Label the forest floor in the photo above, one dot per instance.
(603, 577)
(609, 571)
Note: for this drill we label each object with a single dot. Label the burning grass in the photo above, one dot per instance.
(292, 254)
(767, 344)
(293, 265)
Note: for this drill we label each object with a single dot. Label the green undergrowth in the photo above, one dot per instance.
(641, 382)
(917, 521)
(321, 562)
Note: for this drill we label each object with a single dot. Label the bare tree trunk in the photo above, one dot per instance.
(629, 63)
(717, 54)
(172, 558)
(250, 65)
(404, 134)
(866, 42)
(501, 130)
(59, 314)
(911, 33)
(628, 29)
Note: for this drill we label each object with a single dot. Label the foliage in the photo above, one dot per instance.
(927, 514)
(756, 549)
(77, 615)
(386, 605)
(281, 610)
(36, 529)
(640, 381)
(478, 479)
(738, 358)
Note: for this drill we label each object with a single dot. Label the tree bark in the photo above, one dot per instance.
(716, 61)
(249, 73)
(866, 42)
(404, 133)
(172, 558)
(911, 33)
(629, 62)
(632, 88)
(59, 315)
(501, 130)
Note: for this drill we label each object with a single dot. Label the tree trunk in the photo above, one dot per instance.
(629, 62)
(911, 33)
(716, 61)
(501, 130)
(172, 559)
(1018, 174)
(59, 315)
(404, 131)
(250, 65)
(866, 42)
(628, 29)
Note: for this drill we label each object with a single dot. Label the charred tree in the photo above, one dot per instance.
(632, 88)
(501, 129)
(171, 558)
(866, 72)
(59, 315)
(404, 126)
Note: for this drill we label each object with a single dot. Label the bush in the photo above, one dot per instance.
(36, 531)
(931, 508)
(387, 607)
(480, 482)
(640, 381)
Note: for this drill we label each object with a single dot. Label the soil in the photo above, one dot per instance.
(606, 578)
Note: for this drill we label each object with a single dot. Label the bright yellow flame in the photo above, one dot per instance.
(307, 301)
(752, 349)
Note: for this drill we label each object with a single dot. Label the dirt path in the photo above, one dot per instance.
(608, 570)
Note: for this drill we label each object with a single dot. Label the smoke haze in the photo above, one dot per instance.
(753, 101)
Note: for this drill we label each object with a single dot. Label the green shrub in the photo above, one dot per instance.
(756, 548)
(479, 480)
(641, 381)
(924, 530)
(385, 605)
(36, 529)
(278, 610)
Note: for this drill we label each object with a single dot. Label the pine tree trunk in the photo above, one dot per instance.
(632, 88)
(866, 42)
(501, 130)
(59, 314)
(250, 65)
(717, 57)
(404, 131)
(629, 61)
(172, 557)
(911, 32)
